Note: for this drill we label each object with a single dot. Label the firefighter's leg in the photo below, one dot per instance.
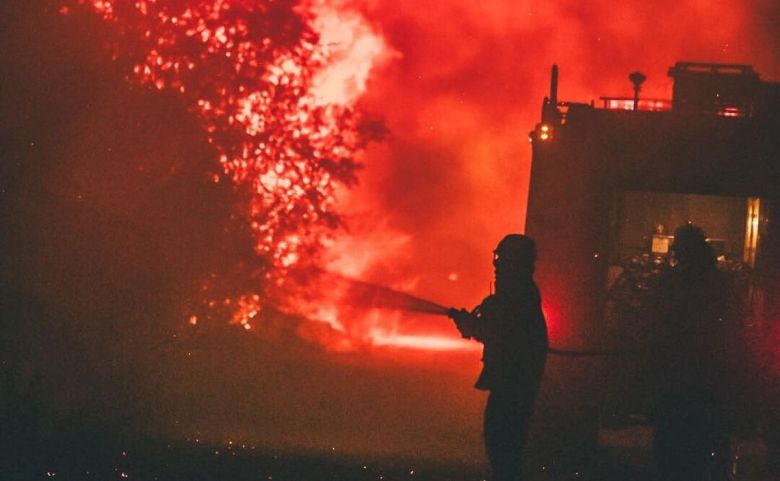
(506, 425)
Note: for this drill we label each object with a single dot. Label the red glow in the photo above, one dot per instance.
(554, 331)
(424, 342)
(260, 101)
(277, 112)
(273, 85)
(731, 112)
(435, 198)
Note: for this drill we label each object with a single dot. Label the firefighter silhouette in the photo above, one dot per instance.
(512, 328)
(691, 422)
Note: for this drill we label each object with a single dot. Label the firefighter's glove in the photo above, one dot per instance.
(465, 321)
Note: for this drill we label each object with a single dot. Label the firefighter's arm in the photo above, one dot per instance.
(466, 322)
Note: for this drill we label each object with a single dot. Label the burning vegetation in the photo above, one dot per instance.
(273, 85)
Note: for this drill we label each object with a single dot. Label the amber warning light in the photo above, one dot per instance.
(543, 132)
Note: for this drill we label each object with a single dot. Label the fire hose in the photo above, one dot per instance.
(453, 313)
(369, 294)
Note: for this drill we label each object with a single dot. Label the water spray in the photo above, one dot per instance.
(367, 294)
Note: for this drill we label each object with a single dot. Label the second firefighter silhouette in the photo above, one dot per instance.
(512, 328)
(692, 415)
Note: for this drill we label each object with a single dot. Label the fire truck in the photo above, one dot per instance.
(611, 182)
(612, 179)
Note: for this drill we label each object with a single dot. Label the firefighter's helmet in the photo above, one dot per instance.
(690, 246)
(515, 248)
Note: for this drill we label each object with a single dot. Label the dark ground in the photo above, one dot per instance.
(152, 460)
(32, 450)
(100, 456)
(40, 438)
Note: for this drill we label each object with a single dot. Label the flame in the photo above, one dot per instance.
(353, 49)
(280, 113)
(247, 310)
(281, 118)
(273, 86)
(368, 251)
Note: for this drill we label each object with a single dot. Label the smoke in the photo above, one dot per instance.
(467, 86)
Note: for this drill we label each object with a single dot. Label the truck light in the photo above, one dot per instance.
(545, 132)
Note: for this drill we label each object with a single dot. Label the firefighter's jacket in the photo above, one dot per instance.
(512, 328)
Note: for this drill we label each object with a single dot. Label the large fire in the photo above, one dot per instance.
(273, 94)
(274, 86)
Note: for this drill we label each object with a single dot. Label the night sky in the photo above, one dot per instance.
(110, 218)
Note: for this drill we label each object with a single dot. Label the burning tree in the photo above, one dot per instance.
(259, 76)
